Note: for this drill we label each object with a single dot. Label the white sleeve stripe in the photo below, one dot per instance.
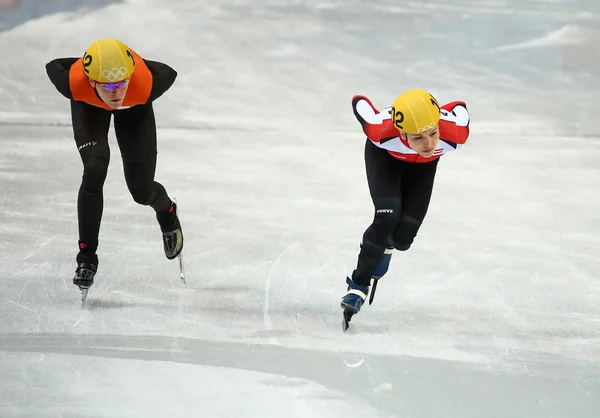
(364, 109)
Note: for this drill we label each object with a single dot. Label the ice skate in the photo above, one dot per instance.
(84, 274)
(171, 232)
(380, 270)
(352, 301)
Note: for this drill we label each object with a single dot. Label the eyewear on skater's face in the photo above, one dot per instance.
(113, 86)
(113, 94)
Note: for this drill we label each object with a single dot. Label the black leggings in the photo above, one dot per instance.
(401, 193)
(135, 129)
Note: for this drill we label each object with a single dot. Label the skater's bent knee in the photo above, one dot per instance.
(405, 232)
(143, 196)
(402, 246)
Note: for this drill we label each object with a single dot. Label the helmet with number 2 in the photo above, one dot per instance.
(415, 111)
(108, 61)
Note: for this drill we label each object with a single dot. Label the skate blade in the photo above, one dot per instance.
(181, 270)
(180, 255)
(346, 320)
(373, 289)
(84, 293)
(345, 325)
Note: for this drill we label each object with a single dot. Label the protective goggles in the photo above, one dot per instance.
(112, 86)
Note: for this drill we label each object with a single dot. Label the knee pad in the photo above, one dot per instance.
(387, 214)
(405, 232)
(94, 174)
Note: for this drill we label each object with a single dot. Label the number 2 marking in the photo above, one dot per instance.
(397, 118)
(87, 61)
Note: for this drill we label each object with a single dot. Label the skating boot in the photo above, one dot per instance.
(84, 275)
(171, 231)
(383, 264)
(352, 301)
(87, 266)
(382, 267)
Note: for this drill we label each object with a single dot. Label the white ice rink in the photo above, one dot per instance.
(495, 310)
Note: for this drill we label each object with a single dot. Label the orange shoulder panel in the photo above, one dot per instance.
(138, 92)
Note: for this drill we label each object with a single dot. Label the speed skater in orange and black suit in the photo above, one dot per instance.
(113, 80)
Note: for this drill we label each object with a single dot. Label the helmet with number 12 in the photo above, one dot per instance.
(415, 111)
(108, 61)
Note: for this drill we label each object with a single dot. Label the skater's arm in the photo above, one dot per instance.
(454, 123)
(58, 73)
(375, 124)
(163, 78)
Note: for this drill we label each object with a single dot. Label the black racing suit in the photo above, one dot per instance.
(401, 192)
(135, 129)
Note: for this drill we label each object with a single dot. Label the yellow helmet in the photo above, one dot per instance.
(108, 61)
(415, 111)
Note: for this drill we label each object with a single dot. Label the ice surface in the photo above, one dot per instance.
(494, 312)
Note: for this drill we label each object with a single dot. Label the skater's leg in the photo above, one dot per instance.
(136, 134)
(376, 239)
(384, 179)
(90, 128)
(135, 129)
(416, 195)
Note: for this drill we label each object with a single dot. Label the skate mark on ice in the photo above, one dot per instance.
(266, 305)
(19, 305)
